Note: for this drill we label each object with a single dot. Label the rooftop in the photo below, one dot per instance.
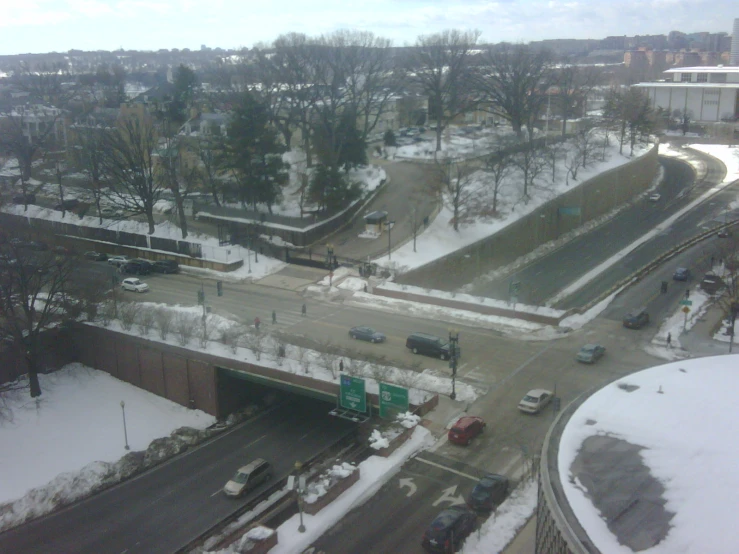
(705, 69)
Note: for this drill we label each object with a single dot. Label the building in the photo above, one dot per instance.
(708, 93)
(644, 464)
(734, 59)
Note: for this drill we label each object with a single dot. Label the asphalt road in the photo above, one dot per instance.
(167, 507)
(546, 276)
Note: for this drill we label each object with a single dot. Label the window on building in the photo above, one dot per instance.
(718, 77)
(685, 77)
(702, 77)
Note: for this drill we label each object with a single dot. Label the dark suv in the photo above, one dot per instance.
(490, 491)
(421, 343)
(136, 267)
(636, 319)
(166, 266)
(449, 529)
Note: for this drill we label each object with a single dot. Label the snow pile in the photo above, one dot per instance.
(408, 420)
(320, 486)
(53, 467)
(378, 441)
(501, 527)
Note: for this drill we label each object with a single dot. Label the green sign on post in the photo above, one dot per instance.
(352, 395)
(393, 400)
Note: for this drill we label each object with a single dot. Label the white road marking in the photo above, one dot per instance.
(447, 468)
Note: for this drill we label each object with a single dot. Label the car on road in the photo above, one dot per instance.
(136, 267)
(366, 333)
(489, 492)
(465, 429)
(447, 532)
(421, 343)
(636, 319)
(165, 266)
(724, 233)
(134, 284)
(535, 401)
(96, 256)
(712, 283)
(118, 260)
(247, 477)
(654, 197)
(681, 274)
(590, 353)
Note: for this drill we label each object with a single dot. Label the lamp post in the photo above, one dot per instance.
(300, 489)
(330, 255)
(389, 239)
(61, 188)
(453, 354)
(125, 432)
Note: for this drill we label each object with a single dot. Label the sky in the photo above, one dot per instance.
(38, 26)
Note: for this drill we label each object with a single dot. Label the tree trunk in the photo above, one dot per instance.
(150, 220)
(180, 206)
(564, 125)
(31, 364)
(438, 136)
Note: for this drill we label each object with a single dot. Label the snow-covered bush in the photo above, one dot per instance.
(318, 488)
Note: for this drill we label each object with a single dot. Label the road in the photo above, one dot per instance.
(165, 508)
(546, 276)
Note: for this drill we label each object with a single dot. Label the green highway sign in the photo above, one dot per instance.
(352, 395)
(393, 400)
(686, 302)
(569, 210)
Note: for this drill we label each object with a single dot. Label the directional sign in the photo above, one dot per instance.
(352, 394)
(569, 210)
(686, 302)
(448, 496)
(408, 482)
(393, 400)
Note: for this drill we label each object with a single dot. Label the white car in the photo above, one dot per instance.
(134, 284)
(118, 261)
(654, 197)
(535, 401)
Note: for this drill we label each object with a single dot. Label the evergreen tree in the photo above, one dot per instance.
(253, 152)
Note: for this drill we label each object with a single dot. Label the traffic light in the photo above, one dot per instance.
(219, 287)
(201, 297)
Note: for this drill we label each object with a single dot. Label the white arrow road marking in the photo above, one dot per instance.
(448, 496)
(429, 462)
(408, 482)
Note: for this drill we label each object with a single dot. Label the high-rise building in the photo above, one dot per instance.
(734, 60)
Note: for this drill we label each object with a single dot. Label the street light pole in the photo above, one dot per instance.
(453, 354)
(301, 486)
(125, 431)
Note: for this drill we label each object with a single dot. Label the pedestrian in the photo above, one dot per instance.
(687, 294)
(303, 310)
(669, 340)
(663, 288)
(274, 317)
(341, 365)
(257, 323)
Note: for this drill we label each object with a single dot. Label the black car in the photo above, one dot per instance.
(27, 198)
(681, 274)
(366, 333)
(636, 319)
(96, 256)
(166, 266)
(489, 492)
(429, 345)
(449, 529)
(136, 267)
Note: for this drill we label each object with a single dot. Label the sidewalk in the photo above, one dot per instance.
(698, 340)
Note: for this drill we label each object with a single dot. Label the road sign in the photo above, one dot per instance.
(570, 210)
(686, 310)
(352, 395)
(686, 302)
(393, 400)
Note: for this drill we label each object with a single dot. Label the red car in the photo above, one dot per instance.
(465, 429)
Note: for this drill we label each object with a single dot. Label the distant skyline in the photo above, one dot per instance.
(40, 26)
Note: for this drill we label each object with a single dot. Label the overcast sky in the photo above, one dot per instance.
(61, 25)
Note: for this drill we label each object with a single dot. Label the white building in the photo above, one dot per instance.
(734, 59)
(709, 93)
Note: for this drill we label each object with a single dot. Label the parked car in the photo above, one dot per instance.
(165, 266)
(70, 204)
(366, 333)
(421, 343)
(636, 319)
(248, 477)
(465, 429)
(136, 267)
(134, 284)
(590, 353)
(681, 274)
(489, 492)
(654, 197)
(28, 198)
(712, 283)
(118, 260)
(449, 530)
(724, 233)
(96, 256)
(535, 401)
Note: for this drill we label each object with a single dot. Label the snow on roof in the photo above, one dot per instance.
(673, 84)
(704, 69)
(678, 419)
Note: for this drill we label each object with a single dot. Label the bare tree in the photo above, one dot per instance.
(128, 313)
(255, 343)
(573, 85)
(586, 142)
(453, 183)
(531, 162)
(129, 162)
(208, 150)
(440, 68)
(34, 296)
(185, 325)
(87, 153)
(512, 80)
(499, 166)
(327, 358)
(230, 337)
(302, 355)
(206, 330)
(164, 318)
(145, 320)
(278, 350)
